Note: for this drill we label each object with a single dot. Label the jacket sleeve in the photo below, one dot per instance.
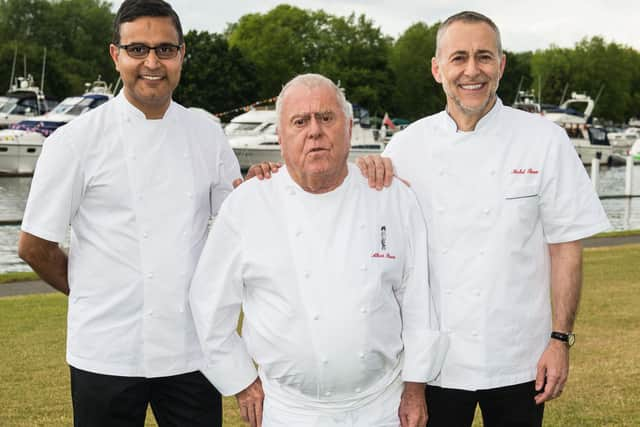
(425, 346)
(216, 298)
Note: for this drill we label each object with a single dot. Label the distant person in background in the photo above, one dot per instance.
(138, 179)
(506, 201)
(331, 278)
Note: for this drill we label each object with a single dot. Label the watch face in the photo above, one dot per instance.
(571, 340)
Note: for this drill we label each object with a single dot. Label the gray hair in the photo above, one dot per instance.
(312, 81)
(468, 17)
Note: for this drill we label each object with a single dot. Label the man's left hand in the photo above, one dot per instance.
(554, 367)
(413, 406)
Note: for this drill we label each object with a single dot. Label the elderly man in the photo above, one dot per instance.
(507, 201)
(138, 180)
(331, 278)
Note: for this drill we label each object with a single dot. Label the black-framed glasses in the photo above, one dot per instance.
(141, 50)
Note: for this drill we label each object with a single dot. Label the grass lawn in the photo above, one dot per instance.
(18, 276)
(603, 388)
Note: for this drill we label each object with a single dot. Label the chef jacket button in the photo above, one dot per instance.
(139, 196)
(440, 210)
(291, 191)
(492, 172)
(361, 355)
(149, 312)
(316, 316)
(149, 275)
(481, 251)
(363, 310)
(358, 390)
(441, 173)
(186, 155)
(307, 274)
(189, 195)
(327, 393)
(363, 267)
(145, 235)
(298, 233)
(486, 211)
(362, 226)
(181, 309)
(325, 361)
(477, 292)
(474, 333)
(445, 250)
(448, 291)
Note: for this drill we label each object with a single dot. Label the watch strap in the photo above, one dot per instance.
(566, 337)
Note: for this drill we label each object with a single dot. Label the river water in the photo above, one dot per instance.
(624, 213)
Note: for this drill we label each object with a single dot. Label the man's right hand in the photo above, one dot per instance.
(377, 169)
(263, 170)
(250, 402)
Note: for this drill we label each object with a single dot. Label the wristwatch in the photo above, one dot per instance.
(567, 337)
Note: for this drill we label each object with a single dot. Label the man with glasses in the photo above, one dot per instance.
(138, 179)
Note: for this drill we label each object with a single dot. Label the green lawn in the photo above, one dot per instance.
(603, 389)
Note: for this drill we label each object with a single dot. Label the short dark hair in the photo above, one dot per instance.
(130, 10)
(468, 17)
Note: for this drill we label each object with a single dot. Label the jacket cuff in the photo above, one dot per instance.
(233, 373)
(424, 353)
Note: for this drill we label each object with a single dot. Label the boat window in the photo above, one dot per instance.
(67, 105)
(271, 129)
(239, 128)
(9, 105)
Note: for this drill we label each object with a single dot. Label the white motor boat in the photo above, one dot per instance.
(21, 144)
(526, 101)
(253, 138)
(23, 100)
(590, 142)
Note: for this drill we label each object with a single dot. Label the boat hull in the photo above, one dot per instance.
(19, 154)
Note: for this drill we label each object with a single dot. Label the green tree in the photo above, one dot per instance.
(280, 43)
(517, 69)
(76, 34)
(287, 41)
(416, 93)
(593, 67)
(215, 76)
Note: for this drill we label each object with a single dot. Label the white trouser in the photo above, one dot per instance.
(381, 412)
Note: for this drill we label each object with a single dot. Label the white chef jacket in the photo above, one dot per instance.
(138, 194)
(493, 199)
(331, 285)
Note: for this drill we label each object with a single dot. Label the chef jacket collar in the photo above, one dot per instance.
(129, 111)
(296, 188)
(484, 122)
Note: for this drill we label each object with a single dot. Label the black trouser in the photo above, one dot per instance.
(511, 406)
(112, 401)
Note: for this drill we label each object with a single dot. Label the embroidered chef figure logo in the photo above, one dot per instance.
(383, 245)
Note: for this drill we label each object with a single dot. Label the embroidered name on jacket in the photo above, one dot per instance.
(529, 171)
(383, 245)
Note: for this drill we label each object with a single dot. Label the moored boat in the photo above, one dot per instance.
(21, 144)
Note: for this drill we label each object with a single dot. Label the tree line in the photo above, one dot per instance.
(255, 55)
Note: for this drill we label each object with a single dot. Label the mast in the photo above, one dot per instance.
(44, 66)
(13, 67)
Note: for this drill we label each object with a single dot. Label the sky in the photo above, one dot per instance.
(525, 25)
